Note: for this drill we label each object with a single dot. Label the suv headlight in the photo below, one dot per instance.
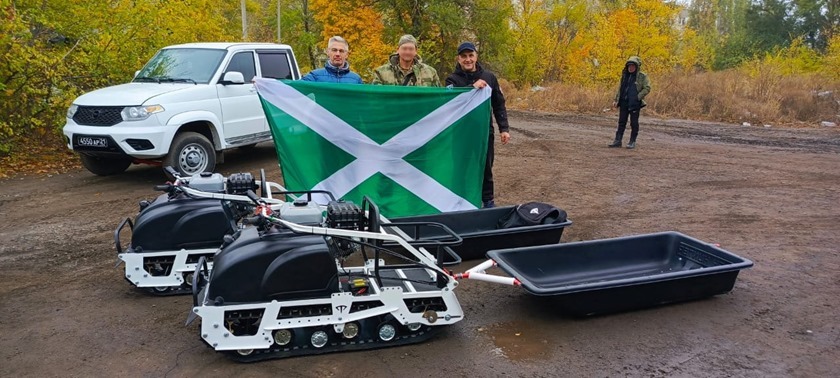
(139, 113)
(71, 111)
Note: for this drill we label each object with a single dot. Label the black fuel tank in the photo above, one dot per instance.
(181, 222)
(303, 272)
(247, 269)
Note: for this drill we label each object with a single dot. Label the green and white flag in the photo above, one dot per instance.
(412, 150)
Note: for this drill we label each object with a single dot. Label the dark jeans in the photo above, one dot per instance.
(487, 186)
(623, 113)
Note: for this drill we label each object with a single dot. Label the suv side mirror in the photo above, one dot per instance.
(136, 72)
(232, 77)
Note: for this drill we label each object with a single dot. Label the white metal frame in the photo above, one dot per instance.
(136, 272)
(219, 337)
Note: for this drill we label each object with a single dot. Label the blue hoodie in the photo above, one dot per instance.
(332, 74)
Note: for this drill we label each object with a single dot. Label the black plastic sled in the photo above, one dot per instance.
(481, 233)
(626, 273)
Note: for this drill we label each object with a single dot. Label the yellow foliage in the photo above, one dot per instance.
(51, 52)
(768, 72)
(530, 55)
(693, 52)
(358, 23)
(794, 59)
(831, 61)
(644, 28)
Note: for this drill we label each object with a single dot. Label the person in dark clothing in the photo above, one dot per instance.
(630, 100)
(468, 72)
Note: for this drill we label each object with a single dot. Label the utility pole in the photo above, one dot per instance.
(244, 21)
(278, 21)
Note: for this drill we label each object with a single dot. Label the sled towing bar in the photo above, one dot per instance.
(478, 273)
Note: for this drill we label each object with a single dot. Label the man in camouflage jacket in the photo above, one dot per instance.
(406, 68)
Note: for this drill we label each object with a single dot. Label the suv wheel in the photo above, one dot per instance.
(190, 154)
(104, 166)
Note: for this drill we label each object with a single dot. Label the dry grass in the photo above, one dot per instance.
(765, 97)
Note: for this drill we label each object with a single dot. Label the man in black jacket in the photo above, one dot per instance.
(468, 72)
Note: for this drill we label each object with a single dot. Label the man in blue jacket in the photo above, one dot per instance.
(336, 69)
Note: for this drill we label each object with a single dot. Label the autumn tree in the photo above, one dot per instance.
(528, 59)
(298, 28)
(832, 58)
(439, 26)
(645, 28)
(54, 51)
(360, 25)
(567, 19)
(488, 27)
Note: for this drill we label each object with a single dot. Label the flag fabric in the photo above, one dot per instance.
(412, 150)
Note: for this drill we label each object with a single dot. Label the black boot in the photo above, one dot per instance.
(615, 143)
(631, 145)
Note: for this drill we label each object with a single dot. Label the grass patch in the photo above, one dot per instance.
(766, 97)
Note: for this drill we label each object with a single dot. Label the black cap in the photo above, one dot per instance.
(465, 47)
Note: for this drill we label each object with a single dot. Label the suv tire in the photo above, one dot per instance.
(104, 166)
(190, 154)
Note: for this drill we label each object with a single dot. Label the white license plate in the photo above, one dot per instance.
(93, 141)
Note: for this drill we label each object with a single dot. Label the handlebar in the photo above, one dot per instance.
(253, 197)
(172, 172)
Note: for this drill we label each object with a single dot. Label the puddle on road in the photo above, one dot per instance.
(517, 341)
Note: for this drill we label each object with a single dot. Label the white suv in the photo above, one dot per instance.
(188, 104)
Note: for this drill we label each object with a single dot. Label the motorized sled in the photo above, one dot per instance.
(171, 232)
(283, 289)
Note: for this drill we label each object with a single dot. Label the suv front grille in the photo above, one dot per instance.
(98, 115)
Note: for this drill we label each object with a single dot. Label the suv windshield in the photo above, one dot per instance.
(181, 65)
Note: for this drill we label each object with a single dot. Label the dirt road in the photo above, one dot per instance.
(768, 194)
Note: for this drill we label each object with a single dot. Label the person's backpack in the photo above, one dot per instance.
(531, 214)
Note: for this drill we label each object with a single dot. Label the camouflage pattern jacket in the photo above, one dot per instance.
(642, 85)
(422, 75)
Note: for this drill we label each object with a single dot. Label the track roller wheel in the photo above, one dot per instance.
(387, 332)
(351, 330)
(319, 338)
(283, 337)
